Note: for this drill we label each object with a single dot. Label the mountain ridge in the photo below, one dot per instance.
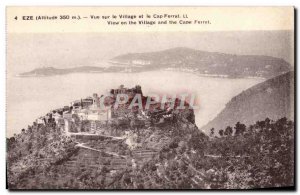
(272, 98)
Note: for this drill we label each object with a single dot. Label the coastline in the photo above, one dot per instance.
(129, 71)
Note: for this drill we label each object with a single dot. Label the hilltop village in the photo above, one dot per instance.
(87, 116)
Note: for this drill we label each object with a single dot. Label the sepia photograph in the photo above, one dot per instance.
(150, 98)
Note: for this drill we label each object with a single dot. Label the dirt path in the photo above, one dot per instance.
(81, 145)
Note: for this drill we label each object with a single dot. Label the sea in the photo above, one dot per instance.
(31, 97)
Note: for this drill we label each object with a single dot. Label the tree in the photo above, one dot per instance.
(212, 132)
(228, 131)
(221, 132)
(240, 128)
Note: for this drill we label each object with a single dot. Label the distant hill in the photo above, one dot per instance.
(199, 62)
(50, 71)
(207, 63)
(273, 98)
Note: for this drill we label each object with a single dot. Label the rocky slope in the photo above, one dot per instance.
(273, 98)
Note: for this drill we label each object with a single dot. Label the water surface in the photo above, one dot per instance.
(31, 97)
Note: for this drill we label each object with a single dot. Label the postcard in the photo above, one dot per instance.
(150, 98)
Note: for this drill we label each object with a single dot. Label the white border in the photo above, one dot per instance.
(4, 3)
